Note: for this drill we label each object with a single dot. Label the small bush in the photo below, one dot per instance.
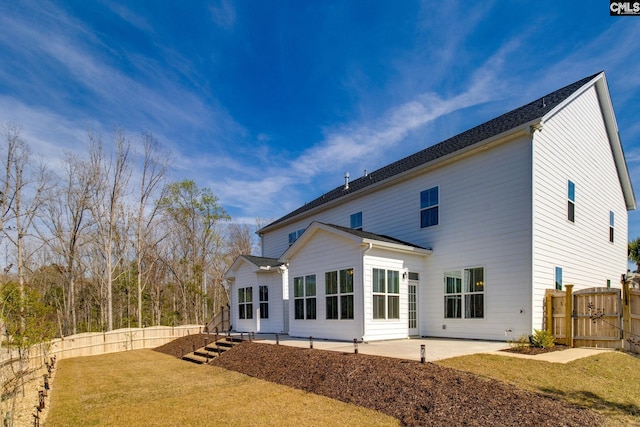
(542, 339)
(519, 343)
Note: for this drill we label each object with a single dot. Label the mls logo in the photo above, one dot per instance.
(620, 8)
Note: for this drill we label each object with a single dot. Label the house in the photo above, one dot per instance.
(458, 240)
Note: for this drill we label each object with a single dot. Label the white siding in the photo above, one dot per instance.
(403, 263)
(485, 221)
(247, 276)
(326, 252)
(573, 145)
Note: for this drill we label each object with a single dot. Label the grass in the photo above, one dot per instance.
(146, 388)
(608, 383)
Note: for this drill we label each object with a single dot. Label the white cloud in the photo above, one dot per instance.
(223, 14)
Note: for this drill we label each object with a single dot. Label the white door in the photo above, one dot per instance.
(413, 308)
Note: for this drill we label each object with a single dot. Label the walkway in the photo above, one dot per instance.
(435, 348)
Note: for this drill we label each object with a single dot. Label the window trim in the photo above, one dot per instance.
(612, 218)
(429, 206)
(558, 278)
(571, 201)
(340, 296)
(263, 299)
(295, 235)
(463, 292)
(305, 301)
(245, 307)
(355, 221)
(390, 310)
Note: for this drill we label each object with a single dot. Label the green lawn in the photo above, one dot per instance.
(147, 388)
(608, 383)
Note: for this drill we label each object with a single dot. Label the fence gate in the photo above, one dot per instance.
(597, 318)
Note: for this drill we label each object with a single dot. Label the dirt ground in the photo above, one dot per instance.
(414, 393)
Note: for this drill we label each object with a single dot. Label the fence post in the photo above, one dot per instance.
(549, 307)
(626, 314)
(568, 313)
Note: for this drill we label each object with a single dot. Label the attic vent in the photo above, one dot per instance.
(544, 104)
(346, 180)
(366, 173)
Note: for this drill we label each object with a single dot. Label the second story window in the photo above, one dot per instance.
(356, 221)
(611, 225)
(429, 207)
(571, 201)
(293, 236)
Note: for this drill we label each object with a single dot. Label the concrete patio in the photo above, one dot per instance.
(435, 348)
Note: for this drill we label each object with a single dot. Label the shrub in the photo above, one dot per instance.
(519, 343)
(542, 339)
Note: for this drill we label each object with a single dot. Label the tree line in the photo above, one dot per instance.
(103, 240)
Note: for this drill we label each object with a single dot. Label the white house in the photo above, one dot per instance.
(458, 240)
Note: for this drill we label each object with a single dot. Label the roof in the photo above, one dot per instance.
(357, 236)
(263, 263)
(372, 236)
(528, 113)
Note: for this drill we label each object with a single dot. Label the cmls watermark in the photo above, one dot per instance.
(619, 8)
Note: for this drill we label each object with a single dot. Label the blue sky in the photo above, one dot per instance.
(268, 103)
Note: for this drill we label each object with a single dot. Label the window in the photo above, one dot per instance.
(293, 236)
(611, 225)
(386, 294)
(559, 278)
(263, 297)
(356, 221)
(429, 207)
(245, 303)
(304, 297)
(464, 293)
(339, 291)
(571, 201)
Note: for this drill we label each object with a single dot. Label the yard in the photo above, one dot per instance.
(148, 388)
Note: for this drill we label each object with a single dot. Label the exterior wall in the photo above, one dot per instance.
(395, 328)
(573, 145)
(326, 252)
(246, 276)
(484, 221)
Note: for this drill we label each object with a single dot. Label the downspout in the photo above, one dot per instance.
(364, 252)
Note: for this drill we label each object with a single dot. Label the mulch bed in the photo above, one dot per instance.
(414, 393)
(532, 351)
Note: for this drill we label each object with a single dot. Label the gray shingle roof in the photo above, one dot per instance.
(373, 236)
(527, 113)
(263, 261)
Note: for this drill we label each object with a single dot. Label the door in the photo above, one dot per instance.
(413, 308)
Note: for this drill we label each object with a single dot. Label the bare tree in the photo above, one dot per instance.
(154, 167)
(68, 217)
(107, 207)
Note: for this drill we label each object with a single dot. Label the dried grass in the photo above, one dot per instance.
(148, 388)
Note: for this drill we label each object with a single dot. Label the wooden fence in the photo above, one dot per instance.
(95, 343)
(595, 317)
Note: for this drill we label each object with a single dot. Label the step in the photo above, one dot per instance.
(191, 357)
(206, 353)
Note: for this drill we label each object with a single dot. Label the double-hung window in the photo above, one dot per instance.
(611, 225)
(386, 294)
(304, 297)
(429, 203)
(245, 303)
(263, 297)
(464, 293)
(571, 201)
(339, 294)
